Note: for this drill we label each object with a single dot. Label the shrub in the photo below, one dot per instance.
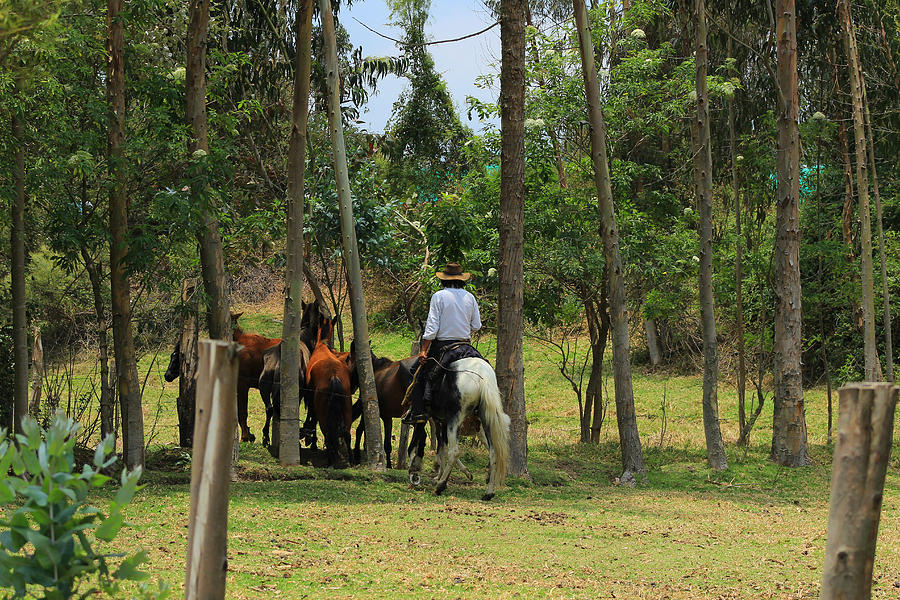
(49, 533)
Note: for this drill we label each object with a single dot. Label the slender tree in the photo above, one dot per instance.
(872, 365)
(374, 447)
(107, 407)
(789, 446)
(738, 257)
(715, 449)
(885, 292)
(212, 262)
(123, 337)
(17, 241)
(629, 440)
(289, 433)
(510, 323)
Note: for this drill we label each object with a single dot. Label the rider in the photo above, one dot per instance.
(452, 317)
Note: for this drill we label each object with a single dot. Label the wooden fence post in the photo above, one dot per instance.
(861, 456)
(211, 470)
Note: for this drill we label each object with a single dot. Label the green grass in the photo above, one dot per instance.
(753, 531)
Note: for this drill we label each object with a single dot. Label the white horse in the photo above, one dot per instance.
(469, 387)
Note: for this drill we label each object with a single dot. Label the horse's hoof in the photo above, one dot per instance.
(415, 479)
(440, 488)
(487, 497)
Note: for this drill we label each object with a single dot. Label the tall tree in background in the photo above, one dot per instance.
(715, 449)
(510, 323)
(212, 262)
(629, 440)
(872, 365)
(374, 447)
(789, 446)
(123, 338)
(288, 440)
(17, 241)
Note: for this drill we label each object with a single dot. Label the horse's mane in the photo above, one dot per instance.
(380, 362)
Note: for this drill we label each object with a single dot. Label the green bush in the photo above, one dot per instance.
(49, 533)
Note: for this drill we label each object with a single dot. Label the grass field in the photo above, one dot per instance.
(753, 531)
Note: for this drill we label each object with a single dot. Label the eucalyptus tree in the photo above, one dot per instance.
(629, 440)
(510, 322)
(208, 236)
(703, 177)
(789, 444)
(123, 337)
(857, 93)
(288, 438)
(374, 448)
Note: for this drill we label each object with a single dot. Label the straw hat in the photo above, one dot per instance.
(453, 272)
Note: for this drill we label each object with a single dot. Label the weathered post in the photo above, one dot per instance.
(37, 374)
(210, 471)
(865, 432)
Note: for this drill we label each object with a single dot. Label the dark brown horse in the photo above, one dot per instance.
(391, 380)
(330, 377)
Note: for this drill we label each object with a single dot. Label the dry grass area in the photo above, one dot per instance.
(754, 531)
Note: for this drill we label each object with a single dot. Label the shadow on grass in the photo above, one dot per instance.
(558, 472)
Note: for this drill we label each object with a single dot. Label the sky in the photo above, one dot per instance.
(459, 63)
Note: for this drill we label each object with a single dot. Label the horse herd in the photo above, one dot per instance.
(328, 380)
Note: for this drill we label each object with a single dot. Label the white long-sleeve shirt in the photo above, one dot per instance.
(453, 315)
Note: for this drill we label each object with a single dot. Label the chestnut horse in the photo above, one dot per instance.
(330, 377)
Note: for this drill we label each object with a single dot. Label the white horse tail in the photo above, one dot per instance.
(496, 425)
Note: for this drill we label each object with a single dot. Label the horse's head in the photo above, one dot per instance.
(310, 314)
(326, 329)
(174, 368)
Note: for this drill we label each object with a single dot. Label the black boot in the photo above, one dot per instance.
(417, 413)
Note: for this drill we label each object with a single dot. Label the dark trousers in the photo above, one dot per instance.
(429, 374)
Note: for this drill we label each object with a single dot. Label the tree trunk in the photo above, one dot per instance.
(652, 342)
(374, 445)
(289, 428)
(123, 340)
(212, 262)
(630, 441)
(107, 400)
(738, 260)
(17, 272)
(885, 292)
(37, 374)
(861, 458)
(872, 365)
(789, 447)
(510, 365)
(188, 361)
(715, 449)
(598, 329)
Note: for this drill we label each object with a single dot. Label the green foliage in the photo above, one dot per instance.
(49, 545)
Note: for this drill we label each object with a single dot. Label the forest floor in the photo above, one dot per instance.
(753, 531)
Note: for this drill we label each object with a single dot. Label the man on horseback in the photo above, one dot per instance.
(452, 317)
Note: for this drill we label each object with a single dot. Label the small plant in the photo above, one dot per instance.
(49, 534)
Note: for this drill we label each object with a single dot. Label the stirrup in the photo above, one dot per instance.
(413, 419)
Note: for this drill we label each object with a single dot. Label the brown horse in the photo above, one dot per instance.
(270, 378)
(330, 377)
(250, 367)
(391, 380)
